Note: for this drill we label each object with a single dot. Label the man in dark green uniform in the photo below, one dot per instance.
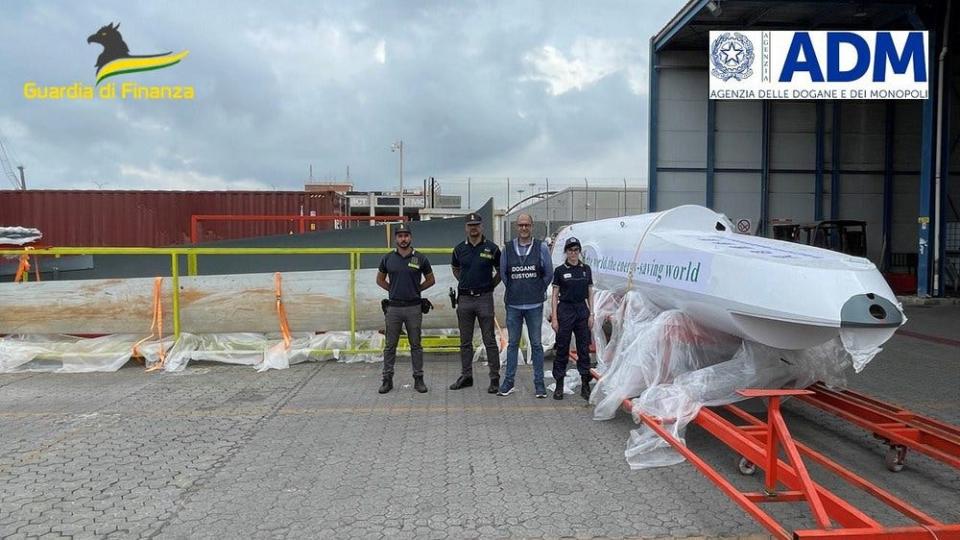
(476, 265)
(404, 273)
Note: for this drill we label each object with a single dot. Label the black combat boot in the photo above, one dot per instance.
(418, 384)
(558, 391)
(387, 384)
(463, 382)
(585, 386)
(494, 386)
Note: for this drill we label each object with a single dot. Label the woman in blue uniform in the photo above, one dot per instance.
(572, 304)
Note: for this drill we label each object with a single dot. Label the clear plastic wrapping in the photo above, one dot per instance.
(670, 367)
(677, 403)
(60, 353)
(64, 354)
(648, 347)
(19, 236)
(70, 354)
(571, 381)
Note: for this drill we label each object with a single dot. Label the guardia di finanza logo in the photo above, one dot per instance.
(732, 56)
(116, 60)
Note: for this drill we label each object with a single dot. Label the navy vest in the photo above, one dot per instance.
(526, 284)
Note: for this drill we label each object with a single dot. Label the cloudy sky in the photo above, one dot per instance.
(484, 90)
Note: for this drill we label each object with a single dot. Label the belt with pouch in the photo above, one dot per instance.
(404, 303)
(474, 292)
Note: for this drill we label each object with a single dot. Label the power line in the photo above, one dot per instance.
(6, 167)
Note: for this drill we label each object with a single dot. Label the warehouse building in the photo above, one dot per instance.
(554, 211)
(893, 164)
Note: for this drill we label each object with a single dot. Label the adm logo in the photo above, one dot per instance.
(732, 56)
(819, 64)
(117, 60)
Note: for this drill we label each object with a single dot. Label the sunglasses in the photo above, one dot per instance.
(573, 249)
(523, 224)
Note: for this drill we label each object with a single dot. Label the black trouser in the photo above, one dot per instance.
(469, 310)
(397, 316)
(572, 319)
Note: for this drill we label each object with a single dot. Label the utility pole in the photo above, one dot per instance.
(398, 147)
(624, 196)
(548, 205)
(586, 202)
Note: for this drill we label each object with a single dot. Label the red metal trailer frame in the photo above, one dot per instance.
(196, 219)
(899, 428)
(759, 442)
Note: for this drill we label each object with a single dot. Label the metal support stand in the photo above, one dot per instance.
(900, 429)
(758, 444)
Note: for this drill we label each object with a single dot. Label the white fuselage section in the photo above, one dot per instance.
(781, 294)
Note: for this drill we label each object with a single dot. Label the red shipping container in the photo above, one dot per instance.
(157, 218)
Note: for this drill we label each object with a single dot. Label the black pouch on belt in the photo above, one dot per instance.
(425, 305)
(383, 305)
(453, 298)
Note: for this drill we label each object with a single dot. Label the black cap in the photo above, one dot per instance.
(570, 243)
(402, 227)
(474, 219)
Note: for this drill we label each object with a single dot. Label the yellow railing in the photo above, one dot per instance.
(191, 253)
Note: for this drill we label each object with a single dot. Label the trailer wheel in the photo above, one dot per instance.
(894, 457)
(745, 467)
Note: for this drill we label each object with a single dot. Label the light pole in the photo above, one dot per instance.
(398, 147)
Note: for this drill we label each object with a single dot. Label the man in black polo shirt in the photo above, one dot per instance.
(476, 265)
(404, 273)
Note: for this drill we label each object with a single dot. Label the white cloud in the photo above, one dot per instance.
(156, 177)
(380, 53)
(12, 129)
(289, 84)
(141, 122)
(316, 52)
(588, 61)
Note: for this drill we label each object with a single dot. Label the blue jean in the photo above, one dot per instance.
(515, 320)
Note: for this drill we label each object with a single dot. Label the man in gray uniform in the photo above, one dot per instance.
(476, 265)
(404, 273)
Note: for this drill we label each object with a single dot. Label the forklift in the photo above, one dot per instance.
(843, 235)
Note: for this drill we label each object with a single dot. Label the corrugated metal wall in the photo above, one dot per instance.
(682, 143)
(681, 157)
(156, 218)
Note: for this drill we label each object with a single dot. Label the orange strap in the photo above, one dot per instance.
(23, 269)
(281, 312)
(156, 326)
(500, 333)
